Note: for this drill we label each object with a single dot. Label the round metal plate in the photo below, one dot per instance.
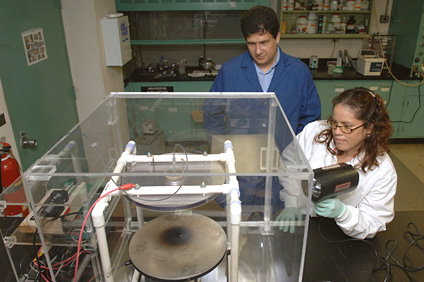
(178, 247)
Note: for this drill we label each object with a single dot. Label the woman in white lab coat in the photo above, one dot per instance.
(357, 133)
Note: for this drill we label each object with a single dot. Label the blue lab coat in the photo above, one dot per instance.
(295, 90)
(292, 84)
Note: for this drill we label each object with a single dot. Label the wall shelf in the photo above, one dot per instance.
(188, 42)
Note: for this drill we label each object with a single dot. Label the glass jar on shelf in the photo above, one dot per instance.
(351, 25)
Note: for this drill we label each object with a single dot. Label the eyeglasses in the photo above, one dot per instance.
(343, 128)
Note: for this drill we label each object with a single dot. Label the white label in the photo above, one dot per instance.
(386, 89)
(339, 90)
(374, 88)
(172, 110)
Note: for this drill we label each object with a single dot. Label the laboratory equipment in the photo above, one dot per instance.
(334, 180)
(116, 39)
(369, 64)
(92, 193)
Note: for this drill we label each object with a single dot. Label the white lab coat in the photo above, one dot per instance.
(371, 205)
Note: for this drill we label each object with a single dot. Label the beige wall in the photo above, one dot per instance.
(92, 78)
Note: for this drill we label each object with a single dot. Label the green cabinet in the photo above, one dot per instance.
(409, 124)
(328, 89)
(402, 102)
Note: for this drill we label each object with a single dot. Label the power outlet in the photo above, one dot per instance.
(384, 18)
(415, 71)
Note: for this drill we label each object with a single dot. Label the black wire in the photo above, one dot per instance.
(391, 246)
(176, 191)
(334, 48)
(416, 111)
(35, 238)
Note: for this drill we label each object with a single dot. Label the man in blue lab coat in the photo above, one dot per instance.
(264, 68)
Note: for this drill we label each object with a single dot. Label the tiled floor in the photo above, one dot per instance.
(409, 162)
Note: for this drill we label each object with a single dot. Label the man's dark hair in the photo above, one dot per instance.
(259, 19)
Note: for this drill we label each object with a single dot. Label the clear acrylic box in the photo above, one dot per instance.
(156, 146)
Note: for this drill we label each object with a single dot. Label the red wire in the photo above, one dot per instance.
(123, 187)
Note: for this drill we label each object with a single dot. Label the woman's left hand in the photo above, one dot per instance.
(331, 207)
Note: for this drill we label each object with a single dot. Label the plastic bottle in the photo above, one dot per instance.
(301, 24)
(335, 20)
(326, 6)
(284, 5)
(358, 5)
(309, 5)
(324, 24)
(361, 28)
(283, 27)
(365, 5)
(296, 5)
(334, 5)
(343, 25)
(350, 5)
(312, 24)
(290, 6)
(350, 25)
(320, 24)
(319, 4)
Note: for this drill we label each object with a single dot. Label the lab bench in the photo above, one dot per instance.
(403, 102)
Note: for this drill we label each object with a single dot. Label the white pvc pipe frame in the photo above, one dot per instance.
(231, 188)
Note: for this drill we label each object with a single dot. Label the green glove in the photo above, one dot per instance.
(289, 216)
(331, 207)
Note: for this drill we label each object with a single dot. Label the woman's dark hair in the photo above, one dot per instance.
(369, 107)
(259, 19)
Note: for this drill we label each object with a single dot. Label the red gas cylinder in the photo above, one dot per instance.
(10, 171)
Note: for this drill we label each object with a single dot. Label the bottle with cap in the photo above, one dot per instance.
(343, 25)
(365, 5)
(320, 24)
(334, 5)
(284, 5)
(361, 28)
(290, 5)
(283, 27)
(319, 4)
(301, 24)
(350, 25)
(358, 5)
(312, 23)
(335, 20)
(326, 5)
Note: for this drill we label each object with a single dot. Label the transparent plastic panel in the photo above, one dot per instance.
(227, 160)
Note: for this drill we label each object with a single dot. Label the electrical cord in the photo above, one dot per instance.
(334, 48)
(391, 246)
(385, 61)
(174, 169)
(121, 188)
(36, 252)
(416, 111)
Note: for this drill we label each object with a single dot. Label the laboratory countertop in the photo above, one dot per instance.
(349, 73)
(333, 256)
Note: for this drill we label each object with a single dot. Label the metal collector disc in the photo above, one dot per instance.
(178, 247)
